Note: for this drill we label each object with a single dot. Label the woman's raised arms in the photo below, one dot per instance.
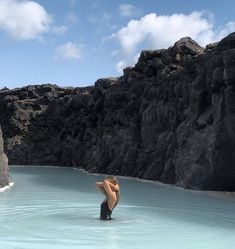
(108, 188)
(100, 186)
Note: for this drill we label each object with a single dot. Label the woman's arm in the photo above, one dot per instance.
(114, 187)
(100, 186)
(118, 198)
(109, 191)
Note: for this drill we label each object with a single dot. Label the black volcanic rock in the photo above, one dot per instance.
(4, 175)
(169, 118)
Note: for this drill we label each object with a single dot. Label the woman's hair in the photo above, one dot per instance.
(112, 178)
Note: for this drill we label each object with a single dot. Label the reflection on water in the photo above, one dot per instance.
(59, 208)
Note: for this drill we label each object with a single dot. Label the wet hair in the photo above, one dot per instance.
(112, 178)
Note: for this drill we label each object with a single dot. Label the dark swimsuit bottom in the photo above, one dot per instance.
(105, 212)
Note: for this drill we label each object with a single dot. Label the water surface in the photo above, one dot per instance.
(58, 208)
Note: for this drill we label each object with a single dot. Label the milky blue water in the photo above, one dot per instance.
(58, 208)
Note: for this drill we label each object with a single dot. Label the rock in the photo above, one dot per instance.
(187, 46)
(4, 175)
(228, 42)
(170, 118)
(212, 45)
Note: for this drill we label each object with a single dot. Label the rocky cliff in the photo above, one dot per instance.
(4, 176)
(170, 118)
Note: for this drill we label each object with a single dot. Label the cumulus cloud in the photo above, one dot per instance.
(23, 19)
(126, 10)
(161, 31)
(69, 51)
(126, 62)
(226, 29)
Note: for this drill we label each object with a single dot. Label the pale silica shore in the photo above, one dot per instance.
(6, 187)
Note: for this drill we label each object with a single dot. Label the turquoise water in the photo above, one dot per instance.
(58, 208)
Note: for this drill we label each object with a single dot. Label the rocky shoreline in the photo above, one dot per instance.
(170, 118)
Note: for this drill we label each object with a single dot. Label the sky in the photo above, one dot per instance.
(76, 42)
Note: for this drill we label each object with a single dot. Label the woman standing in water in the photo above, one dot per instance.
(111, 189)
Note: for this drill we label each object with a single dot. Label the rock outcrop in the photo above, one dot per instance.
(4, 176)
(170, 118)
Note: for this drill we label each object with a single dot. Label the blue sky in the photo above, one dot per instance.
(75, 42)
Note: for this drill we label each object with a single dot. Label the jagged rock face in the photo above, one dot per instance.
(170, 118)
(4, 176)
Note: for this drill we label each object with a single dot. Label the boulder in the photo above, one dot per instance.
(4, 175)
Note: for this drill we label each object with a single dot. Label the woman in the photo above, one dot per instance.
(111, 189)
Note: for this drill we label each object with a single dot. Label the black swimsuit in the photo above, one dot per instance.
(105, 212)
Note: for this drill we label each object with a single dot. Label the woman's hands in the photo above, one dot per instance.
(101, 186)
(114, 187)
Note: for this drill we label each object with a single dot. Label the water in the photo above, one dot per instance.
(58, 208)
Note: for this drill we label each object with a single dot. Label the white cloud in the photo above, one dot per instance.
(120, 66)
(60, 30)
(126, 10)
(23, 19)
(69, 51)
(126, 62)
(226, 29)
(161, 31)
